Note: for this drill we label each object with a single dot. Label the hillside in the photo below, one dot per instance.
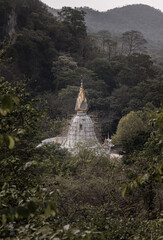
(138, 17)
(143, 18)
(47, 192)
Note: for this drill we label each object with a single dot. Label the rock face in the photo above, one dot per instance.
(81, 131)
(12, 22)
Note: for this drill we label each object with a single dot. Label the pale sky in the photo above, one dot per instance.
(102, 5)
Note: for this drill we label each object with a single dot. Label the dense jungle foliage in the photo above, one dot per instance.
(48, 193)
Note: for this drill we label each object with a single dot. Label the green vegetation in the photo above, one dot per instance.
(129, 129)
(47, 193)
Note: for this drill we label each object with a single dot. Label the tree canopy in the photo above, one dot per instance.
(47, 192)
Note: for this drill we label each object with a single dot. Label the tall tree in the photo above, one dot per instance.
(74, 19)
(103, 37)
(130, 132)
(111, 48)
(75, 28)
(132, 42)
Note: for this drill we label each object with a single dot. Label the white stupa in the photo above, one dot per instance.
(81, 129)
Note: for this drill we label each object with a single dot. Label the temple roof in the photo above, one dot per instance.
(81, 102)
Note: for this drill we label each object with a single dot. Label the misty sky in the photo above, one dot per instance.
(102, 5)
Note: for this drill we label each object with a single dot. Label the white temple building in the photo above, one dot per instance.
(81, 130)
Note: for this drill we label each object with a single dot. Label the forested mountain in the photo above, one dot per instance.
(139, 17)
(52, 53)
(143, 18)
(47, 192)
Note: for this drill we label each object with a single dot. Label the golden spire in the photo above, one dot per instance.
(81, 102)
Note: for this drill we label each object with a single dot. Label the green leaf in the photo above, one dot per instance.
(4, 219)
(159, 169)
(135, 183)
(7, 103)
(47, 210)
(3, 112)
(5, 186)
(50, 209)
(16, 100)
(124, 191)
(12, 142)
